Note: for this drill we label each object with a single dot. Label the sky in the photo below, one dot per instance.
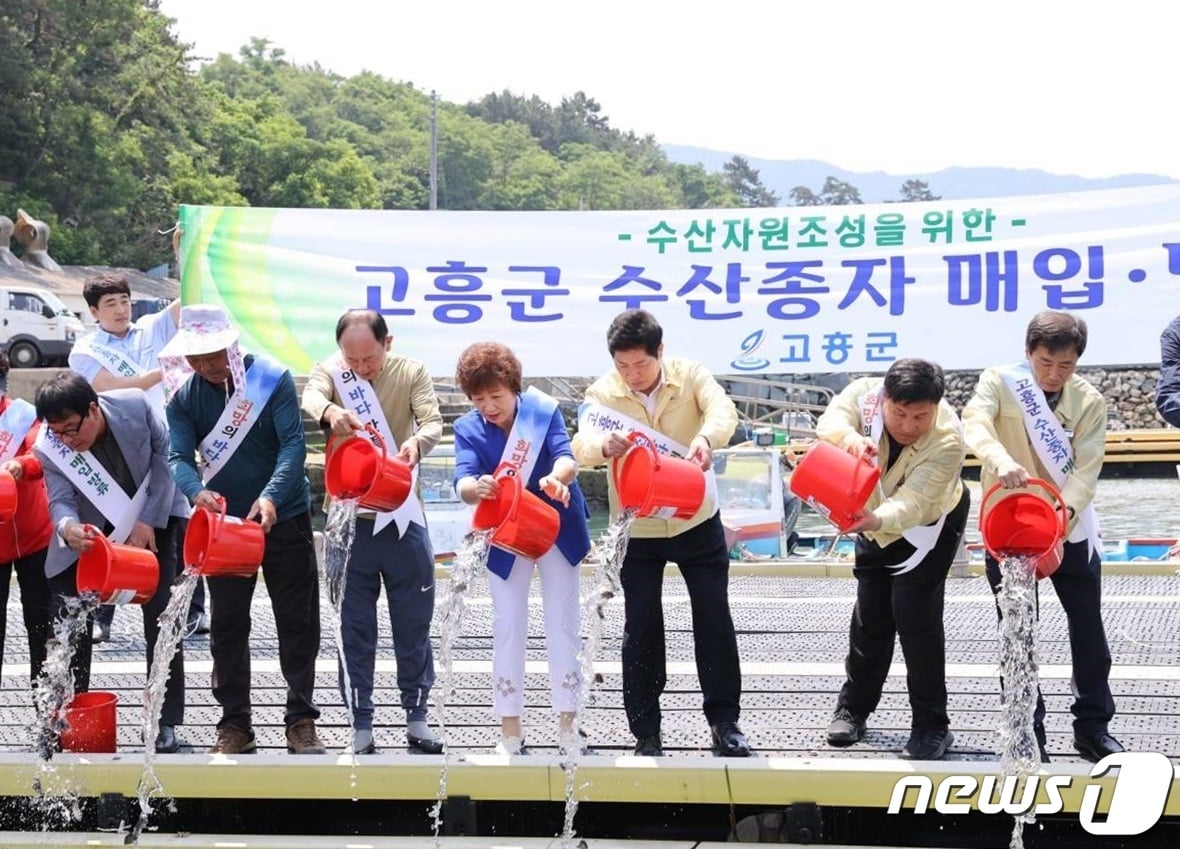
(905, 87)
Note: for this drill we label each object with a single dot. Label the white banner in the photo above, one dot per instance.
(791, 290)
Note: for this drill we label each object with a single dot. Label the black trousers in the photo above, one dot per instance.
(34, 602)
(908, 606)
(1078, 582)
(289, 567)
(703, 559)
(65, 586)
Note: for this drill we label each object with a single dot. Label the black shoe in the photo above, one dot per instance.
(846, 728)
(649, 747)
(424, 745)
(927, 744)
(729, 741)
(167, 741)
(1094, 747)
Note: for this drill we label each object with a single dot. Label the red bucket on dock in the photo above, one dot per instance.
(220, 545)
(120, 574)
(654, 484)
(92, 721)
(524, 524)
(355, 468)
(834, 482)
(1025, 524)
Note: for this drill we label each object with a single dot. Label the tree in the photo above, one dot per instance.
(803, 196)
(917, 190)
(838, 193)
(743, 180)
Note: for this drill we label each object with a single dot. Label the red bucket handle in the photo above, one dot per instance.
(638, 440)
(1059, 508)
(507, 474)
(374, 435)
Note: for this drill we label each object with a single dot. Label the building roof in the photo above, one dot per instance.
(68, 282)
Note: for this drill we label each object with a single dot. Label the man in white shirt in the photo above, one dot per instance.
(122, 354)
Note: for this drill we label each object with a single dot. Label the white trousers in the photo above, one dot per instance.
(510, 631)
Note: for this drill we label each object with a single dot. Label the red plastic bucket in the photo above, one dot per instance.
(120, 574)
(92, 723)
(654, 484)
(525, 525)
(356, 469)
(220, 545)
(834, 482)
(7, 497)
(1025, 524)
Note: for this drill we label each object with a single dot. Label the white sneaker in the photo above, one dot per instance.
(510, 745)
(362, 742)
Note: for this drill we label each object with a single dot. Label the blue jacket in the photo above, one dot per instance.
(478, 449)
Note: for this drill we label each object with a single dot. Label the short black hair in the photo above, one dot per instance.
(64, 394)
(1056, 331)
(633, 329)
(105, 283)
(4, 364)
(373, 319)
(911, 379)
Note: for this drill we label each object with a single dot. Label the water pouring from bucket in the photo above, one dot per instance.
(1025, 524)
(359, 467)
(118, 573)
(220, 545)
(835, 483)
(520, 521)
(656, 485)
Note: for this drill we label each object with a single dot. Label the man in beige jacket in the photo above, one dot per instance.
(678, 403)
(366, 384)
(908, 533)
(1038, 419)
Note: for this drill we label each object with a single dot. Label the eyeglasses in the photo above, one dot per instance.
(69, 432)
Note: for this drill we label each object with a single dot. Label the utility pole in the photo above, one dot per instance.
(433, 150)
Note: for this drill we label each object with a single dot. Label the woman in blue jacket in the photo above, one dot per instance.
(526, 429)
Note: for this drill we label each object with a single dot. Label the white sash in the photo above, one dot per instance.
(597, 418)
(240, 413)
(359, 396)
(94, 482)
(523, 448)
(923, 537)
(15, 424)
(121, 366)
(1051, 442)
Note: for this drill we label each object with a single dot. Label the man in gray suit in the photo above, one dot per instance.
(126, 491)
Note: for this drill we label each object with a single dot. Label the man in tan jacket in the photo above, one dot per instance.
(908, 533)
(366, 384)
(1038, 419)
(677, 402)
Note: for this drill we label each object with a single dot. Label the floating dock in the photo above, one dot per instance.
(792, 634)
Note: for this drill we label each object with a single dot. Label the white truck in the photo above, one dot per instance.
(36, 328)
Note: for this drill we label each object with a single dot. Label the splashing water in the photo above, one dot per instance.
(339, 535)
(1018, 749)
(470, 561)
(612, 546)
(58, 803)
(173, 622)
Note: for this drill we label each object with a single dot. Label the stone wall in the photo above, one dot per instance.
(1129, 393)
